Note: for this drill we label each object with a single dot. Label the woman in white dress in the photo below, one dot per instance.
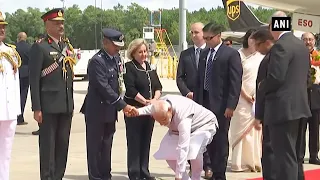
(246, 140)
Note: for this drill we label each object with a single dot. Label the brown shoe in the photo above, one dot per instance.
(35, 132)
(207, 174)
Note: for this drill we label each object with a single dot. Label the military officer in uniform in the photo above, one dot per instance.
(102, 103)
(10, 99)
(51, 83)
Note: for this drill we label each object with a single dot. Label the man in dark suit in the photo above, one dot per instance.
(188, 62)
(286, 101)
(187, 75)
(218, 89)
(102, 104)
(314, 98)
(51, 86)
(263, 43)
(23, 49)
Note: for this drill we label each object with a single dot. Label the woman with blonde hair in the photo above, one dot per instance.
(142, 87)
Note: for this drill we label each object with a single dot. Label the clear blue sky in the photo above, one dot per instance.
(12, 5)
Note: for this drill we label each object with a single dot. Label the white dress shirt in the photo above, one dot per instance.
(9, 87)
(196, 47)
(188, 118)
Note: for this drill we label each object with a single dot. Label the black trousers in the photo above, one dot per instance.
(313, 136)
(267, 159)
(24, 87)
(139, 133)
(54, 144)
(286, 141)
(218, 149)
(99, 138)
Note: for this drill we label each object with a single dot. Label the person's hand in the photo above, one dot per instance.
(127, 109)
(190, 95)
(134, 112)
(228, 113)
(257, 124)
(151, 101)
(37, 115)
(130, 111)
(249, 99)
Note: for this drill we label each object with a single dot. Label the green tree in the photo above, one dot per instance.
(83, 28)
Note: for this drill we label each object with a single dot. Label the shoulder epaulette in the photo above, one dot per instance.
(10, 45)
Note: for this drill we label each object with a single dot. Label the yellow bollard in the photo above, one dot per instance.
(153, 60)
(169, 67)
(174, 68)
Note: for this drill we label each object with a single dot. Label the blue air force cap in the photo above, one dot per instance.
(115, 36)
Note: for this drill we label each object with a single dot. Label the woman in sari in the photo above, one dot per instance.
(246, 140)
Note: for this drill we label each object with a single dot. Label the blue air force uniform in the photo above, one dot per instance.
(101, 107)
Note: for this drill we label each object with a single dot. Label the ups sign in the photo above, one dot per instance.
(233, 9)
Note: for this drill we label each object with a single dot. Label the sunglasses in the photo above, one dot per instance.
(210, 37)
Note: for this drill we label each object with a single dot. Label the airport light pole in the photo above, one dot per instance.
(95, 24)
(182, 25)
(62, 4)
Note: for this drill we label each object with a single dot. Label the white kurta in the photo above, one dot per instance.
(191, 129)
(9, 87)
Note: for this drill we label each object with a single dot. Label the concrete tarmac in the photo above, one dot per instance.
(25, 153)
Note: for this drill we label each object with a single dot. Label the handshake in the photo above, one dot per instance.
(130, 111)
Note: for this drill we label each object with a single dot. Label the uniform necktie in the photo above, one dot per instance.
(208, 70)
(60, 45)
(198, 50)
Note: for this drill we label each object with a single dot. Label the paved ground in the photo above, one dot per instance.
(25, 161)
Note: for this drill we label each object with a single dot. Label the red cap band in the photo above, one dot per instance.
(50, 16)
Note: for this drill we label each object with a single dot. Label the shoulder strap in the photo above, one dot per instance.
(11, 45)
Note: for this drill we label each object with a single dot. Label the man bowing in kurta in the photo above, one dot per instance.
(191, 129)
(9, 100)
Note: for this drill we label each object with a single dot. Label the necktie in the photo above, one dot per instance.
(198, 50)
(208, 70)
(60, 45)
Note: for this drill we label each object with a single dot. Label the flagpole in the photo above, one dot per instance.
(95, 24)
(101, 18)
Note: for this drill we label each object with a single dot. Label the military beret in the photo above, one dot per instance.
(115, 36)
(53, 15)
(2, 21)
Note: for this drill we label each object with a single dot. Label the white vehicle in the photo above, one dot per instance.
(80, 69)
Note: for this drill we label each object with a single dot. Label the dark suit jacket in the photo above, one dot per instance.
(286, 83)
(187, 71)
(103, 101)
(52, 93)
(226, 79)
(23, 49)
(315, 97)
(260, 99)
(139, 80)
